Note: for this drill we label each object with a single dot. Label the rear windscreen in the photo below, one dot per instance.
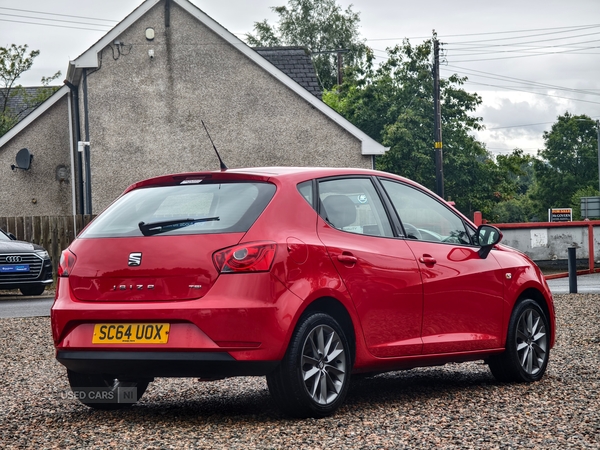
(184, 209)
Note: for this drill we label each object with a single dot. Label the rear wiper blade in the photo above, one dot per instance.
(152, 228)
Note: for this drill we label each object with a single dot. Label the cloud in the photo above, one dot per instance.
(518, 120)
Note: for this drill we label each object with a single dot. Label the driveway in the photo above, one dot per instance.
(586, 284)
(456, 406)
(14, 304)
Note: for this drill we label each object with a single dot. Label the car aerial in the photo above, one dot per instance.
(303, 275)
(23, 266)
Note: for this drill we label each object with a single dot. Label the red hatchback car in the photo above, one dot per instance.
(305, 275)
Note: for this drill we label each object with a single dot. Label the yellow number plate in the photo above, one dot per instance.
(131, 333)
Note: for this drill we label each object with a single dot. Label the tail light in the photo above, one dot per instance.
(251, 257)
(67, 261)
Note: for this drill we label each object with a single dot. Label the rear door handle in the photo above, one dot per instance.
(427, 259)
(347, 259)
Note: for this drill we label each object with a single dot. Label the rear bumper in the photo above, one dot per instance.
(247, 325)
(162, 364)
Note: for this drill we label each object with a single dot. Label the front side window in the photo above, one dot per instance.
(424, 218)
(353, 205)
(185, 209)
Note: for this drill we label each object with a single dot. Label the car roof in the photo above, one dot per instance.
(290, 174)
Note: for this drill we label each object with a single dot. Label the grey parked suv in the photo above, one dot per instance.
(23, 266)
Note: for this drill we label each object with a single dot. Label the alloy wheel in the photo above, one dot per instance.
(532, 341)
(323, 364)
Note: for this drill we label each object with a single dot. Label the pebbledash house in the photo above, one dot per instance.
(133, 104)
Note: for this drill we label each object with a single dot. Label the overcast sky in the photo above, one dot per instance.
(530, 60)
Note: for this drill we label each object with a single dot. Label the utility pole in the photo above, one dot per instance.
(598, 135)
(339, 66)
(437, 110)
(339, 52)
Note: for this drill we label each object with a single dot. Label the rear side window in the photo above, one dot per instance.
(305, 190)
(184, 209)
(353, 205)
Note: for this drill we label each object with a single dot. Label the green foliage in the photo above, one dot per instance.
(519, 209)
(393, 103)
(14, 61)
(568, 163)
(519, 168)
(319, 25)
(517, 206)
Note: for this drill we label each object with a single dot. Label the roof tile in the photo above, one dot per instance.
(295, 62)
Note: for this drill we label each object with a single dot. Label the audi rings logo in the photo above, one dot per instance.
(14, 259)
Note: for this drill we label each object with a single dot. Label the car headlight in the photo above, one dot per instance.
(43, 254)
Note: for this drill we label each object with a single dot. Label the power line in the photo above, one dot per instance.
(523, 37)
(526, 45)
(52, 25)
(530, 124)
(520, 126)
(61, 15)
(529, 92)
(528, 55)
(531, 52)
(54, 20)
(527, 82)
(573, 28)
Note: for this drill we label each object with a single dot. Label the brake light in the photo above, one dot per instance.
(252, 257)
(67, 261)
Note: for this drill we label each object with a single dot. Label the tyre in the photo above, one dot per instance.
(313, 378)
(33, 290)
(104, 392)
(527, 345)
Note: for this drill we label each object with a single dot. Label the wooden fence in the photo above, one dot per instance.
(54, 233)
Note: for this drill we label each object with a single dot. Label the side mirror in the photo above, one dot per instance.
(487, 236)
(12, 236)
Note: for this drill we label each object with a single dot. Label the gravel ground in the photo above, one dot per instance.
(454, 406)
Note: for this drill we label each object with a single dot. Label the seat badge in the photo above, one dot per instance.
(509, 276)
(135, 259)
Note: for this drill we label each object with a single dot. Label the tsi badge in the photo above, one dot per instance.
(135, 259)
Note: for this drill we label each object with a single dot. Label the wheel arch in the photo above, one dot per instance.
(338, 311)
(538, 297)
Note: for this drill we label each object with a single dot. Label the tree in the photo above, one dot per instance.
(568, 163)
(14, 61)
(519, 167)
(516, 206)
(320, 26)
(515, 210)
(393, 103)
